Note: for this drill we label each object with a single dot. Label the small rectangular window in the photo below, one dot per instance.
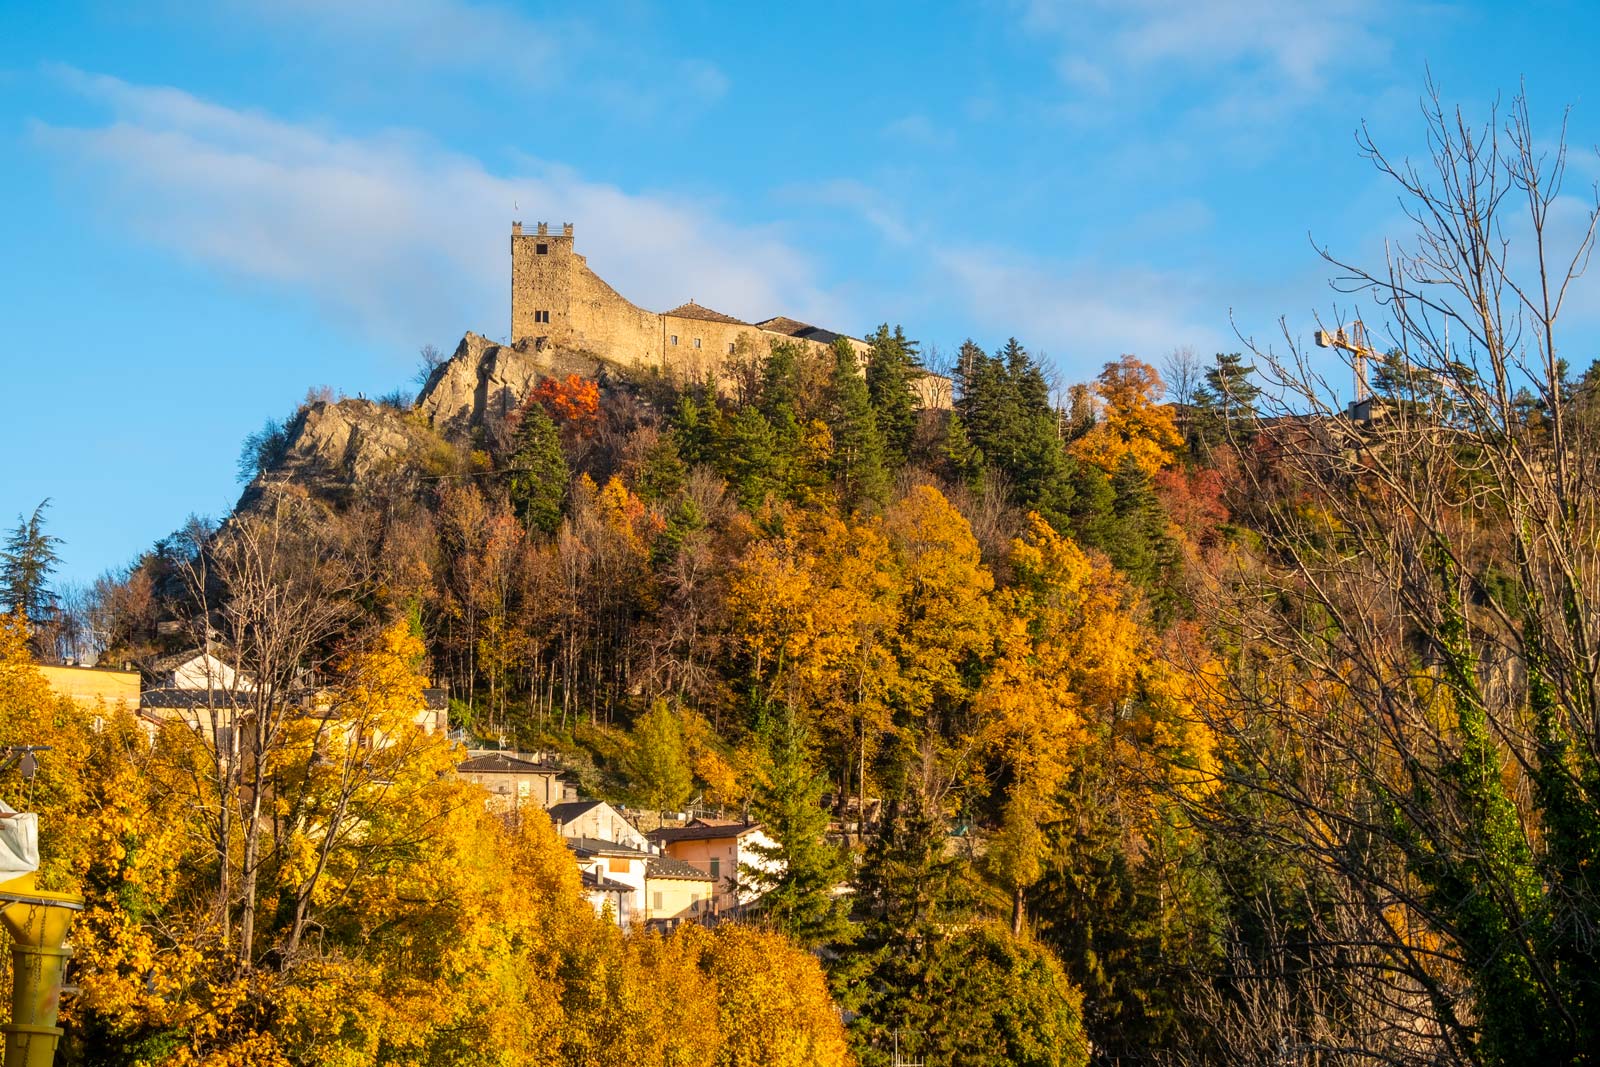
(697, 342)
(541, 316)
(730, 348)
(617, 866)
(716, 867)
(658, 901)
(674, 338)
(542, 249)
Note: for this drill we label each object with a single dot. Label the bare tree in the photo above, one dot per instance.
(1417, 690)
(271, 592)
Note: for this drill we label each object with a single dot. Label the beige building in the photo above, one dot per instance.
(596, 819)
(515, 783)
(675, 891)
(557, 299)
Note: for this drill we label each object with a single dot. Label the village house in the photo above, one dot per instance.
(515, 783)
(116, 690)
(597, 819)
(612, 873)
(675, 891)
(719, 848)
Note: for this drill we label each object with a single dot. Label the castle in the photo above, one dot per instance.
(557, 299)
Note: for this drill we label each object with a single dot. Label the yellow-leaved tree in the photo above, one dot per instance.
(1132, 420)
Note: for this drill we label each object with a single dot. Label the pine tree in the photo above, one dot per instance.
(1225, 407)
(663, 473)
(798, 892)
(26, 564)
(893, 361)
(858, 466)
(750, 457)
(539, 473)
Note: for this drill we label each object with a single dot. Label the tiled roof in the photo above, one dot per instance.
(594, 846)
(601, 882)
(568, 810)
(691, 310)
(795, 328)
(784, 324)
(500, 763)
(705, 831)
(667, 867)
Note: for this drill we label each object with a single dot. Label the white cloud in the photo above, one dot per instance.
(435, 33)
(405, 238)
(1082, 313)
(1241, 59)
(919, 130)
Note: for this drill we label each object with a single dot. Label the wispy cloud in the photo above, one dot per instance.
(920, 131)
(435, 33)
(1081, 311)
(614, 57)
(1240, 60)
(403, 237)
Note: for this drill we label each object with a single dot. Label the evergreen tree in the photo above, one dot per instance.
(663, 473)
(26, 564)
(1225, 407)
(750, 456)
(657, 766)
(858, 466)
(539, 473)
(964, 457)
(893, 362)
(1091, 511)
(798, 893)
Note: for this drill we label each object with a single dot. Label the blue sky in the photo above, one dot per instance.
(211, 207)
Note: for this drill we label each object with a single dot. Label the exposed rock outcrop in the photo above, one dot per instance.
(484, 382)
(331, 448)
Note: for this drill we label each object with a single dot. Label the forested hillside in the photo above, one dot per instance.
(1181, 715)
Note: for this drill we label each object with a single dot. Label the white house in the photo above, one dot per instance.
(612, 873)
(597, 819)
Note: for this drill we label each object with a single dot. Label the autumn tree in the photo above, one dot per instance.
(657, 765)
(1414, 685)
(1132, 422)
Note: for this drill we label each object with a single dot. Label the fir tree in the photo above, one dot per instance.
(798, 892)
(858, 466)
(663, 473)
(1225, 407)
(750, 457)
(26, 564)
(893, 361)
(539, 473)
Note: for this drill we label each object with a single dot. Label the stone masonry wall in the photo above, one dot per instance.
(555, 295)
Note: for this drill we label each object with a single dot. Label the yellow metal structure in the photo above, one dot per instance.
(37, 920)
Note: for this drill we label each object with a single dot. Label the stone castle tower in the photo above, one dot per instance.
(556, 299)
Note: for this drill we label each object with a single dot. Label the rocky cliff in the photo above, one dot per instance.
(483, 382)
(330, 449)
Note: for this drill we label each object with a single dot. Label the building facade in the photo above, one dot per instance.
(557, 299)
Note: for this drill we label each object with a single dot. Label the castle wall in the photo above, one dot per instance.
(555, 295)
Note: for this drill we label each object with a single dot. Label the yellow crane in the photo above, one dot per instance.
(1352, 339)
